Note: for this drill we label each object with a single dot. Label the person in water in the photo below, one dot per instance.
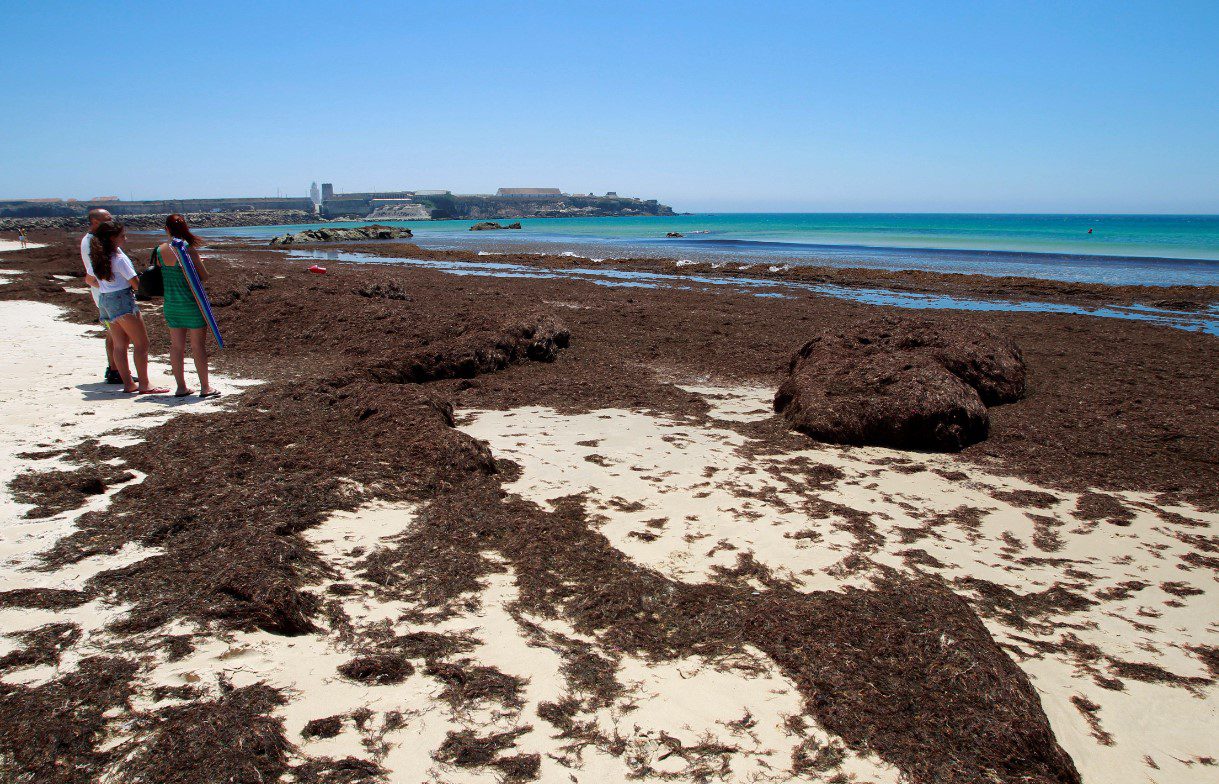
(109, 270)
(182, 313)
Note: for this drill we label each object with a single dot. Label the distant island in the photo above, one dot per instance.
(325, 204)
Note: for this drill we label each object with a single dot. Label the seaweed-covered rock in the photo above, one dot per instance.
(344, 234)
(492, 226)
(900, 382)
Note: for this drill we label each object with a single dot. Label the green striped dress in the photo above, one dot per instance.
(181, 310)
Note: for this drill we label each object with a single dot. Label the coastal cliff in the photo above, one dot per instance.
(501, 207)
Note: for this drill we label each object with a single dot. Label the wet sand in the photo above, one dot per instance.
(614, 564)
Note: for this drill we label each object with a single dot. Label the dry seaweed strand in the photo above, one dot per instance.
(298, 450)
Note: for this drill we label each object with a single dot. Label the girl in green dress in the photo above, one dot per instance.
(182, 313)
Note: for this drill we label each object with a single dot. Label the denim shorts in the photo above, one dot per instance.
(113, 305)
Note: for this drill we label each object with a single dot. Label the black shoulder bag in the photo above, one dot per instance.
(151, 284)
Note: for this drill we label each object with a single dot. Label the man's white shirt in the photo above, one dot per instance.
(84, 257)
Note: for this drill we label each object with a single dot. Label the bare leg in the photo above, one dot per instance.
(198, 350)
(134, 325)
(109, 350)
(177, 357)
(119, 354)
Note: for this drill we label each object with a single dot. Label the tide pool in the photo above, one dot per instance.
(1206, 321)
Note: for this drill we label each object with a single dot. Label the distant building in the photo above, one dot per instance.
(432, 193)
(315, 195)
(611, 194)
(104, 198)
(327, 191)
(529, 192)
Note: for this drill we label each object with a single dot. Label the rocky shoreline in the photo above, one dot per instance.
(894, 658)
(343, 234)
(201, 220)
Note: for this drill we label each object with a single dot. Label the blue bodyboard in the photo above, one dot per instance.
(196, 287)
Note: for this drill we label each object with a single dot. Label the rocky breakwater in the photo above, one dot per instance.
(899, 382)
(156, 221)
(344, 234)
(492, 226)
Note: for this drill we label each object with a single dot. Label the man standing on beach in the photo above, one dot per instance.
(98, 216)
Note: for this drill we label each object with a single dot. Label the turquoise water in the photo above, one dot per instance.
(1121, 249)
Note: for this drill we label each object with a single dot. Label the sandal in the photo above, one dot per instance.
(212, 393)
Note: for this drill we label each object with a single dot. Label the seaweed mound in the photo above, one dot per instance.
(378, 669)
(908, 671)
(900, 382)
(480, 349)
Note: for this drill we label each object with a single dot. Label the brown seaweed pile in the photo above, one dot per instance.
(903, 670)
(484, 348)
(900, 382)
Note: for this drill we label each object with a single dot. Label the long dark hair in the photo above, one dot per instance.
(102, 248)
(178, 229)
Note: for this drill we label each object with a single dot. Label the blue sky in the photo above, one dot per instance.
(843, 106)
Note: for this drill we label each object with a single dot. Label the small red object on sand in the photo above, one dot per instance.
(317, 270)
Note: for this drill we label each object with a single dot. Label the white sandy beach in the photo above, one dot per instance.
(680, 497)
(639, 468)
(11, 245)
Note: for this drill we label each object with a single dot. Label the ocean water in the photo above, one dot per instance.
(1118, 249)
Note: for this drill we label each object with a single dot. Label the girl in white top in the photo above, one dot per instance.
(109, 269)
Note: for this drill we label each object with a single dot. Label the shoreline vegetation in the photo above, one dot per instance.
(482, 528)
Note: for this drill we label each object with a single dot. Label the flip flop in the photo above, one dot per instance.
(154, 391)
(129, 391)
(184, 393)
(206, 395)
